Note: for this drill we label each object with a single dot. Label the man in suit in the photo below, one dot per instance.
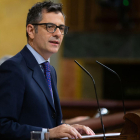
(28, 98)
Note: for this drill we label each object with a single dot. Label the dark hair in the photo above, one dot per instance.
(35, 13)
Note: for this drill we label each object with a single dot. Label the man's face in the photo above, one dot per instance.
(46, 43)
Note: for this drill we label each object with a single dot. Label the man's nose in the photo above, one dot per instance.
(57, 32)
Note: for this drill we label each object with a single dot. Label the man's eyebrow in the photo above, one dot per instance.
(55, 24)
(61, 25)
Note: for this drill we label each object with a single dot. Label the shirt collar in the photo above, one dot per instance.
(37, 56)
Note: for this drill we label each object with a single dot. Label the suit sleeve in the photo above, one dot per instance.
(12, 87)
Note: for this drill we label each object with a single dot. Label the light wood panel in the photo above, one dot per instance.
(13, 25)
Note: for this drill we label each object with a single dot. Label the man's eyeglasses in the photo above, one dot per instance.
(51, 28)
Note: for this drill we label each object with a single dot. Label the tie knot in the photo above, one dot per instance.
(46, 66)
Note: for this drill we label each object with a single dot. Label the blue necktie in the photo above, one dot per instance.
(46, 66)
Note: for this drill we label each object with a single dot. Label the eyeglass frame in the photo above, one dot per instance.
(54, 29)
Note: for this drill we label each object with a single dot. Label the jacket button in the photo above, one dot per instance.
(53, 115)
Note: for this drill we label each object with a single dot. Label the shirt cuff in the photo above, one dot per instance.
(44, 130)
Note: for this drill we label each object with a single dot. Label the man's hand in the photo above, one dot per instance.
(73, 131)
(83, 129)
(64, 130)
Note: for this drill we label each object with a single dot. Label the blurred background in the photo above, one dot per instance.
(103, 30)
(107, 31)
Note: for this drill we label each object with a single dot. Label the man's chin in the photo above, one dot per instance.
(54, 51)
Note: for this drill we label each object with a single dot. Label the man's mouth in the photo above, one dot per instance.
(54, 42)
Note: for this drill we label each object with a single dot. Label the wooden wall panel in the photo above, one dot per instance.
(90, 16)
(13, 25)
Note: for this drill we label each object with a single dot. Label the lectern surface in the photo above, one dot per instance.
(98, 136)
(101, 135)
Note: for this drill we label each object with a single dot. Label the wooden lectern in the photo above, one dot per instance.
(130, 130)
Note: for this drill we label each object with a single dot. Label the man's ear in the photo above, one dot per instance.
(30, 31)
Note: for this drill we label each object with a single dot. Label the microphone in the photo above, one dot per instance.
(104, 138)
(119, 80)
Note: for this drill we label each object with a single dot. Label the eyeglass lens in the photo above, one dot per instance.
(52, 28)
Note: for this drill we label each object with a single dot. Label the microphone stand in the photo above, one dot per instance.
(104, 138)
(119, 80)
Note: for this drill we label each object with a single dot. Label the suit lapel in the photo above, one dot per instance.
(55, 95)
(37, 74)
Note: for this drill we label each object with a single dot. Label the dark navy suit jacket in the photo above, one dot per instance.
(25, 100)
